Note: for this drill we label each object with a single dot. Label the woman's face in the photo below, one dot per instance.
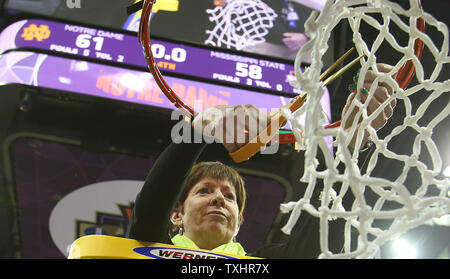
(210, 213)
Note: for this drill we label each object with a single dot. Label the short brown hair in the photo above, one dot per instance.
(216, 170)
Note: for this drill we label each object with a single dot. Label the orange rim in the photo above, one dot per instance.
(403, 78)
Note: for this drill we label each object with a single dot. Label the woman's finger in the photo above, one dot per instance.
(380, 119)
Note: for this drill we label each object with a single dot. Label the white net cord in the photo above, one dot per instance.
(413, 207)
(239, 24)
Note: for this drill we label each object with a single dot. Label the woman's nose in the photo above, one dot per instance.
(218, 199)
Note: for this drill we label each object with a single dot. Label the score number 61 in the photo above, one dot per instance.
(251, 71)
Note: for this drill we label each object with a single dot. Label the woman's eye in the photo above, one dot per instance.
(203, 191)
(229, 196)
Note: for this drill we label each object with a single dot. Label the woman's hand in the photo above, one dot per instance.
(294, 41)
(381, 94)
(233, 126)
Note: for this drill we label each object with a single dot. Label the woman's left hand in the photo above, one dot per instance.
(382, 92)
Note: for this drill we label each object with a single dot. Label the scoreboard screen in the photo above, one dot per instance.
(125, 49)
(110, 64)
(273, 28)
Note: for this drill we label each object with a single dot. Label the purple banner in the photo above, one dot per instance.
(125, 85)
(123, 48)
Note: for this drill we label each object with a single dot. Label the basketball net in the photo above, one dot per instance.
(239, 24)
(413, 207)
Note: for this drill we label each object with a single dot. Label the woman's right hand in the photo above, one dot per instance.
(233, 126)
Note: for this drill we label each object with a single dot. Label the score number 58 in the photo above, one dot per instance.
(251, 71)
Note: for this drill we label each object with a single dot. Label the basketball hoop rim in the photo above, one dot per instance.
(403, 77)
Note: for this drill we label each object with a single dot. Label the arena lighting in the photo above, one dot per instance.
(403, 249)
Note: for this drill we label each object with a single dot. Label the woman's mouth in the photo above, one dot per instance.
(217, 213)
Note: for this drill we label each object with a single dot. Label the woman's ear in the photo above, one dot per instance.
(176, 217)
